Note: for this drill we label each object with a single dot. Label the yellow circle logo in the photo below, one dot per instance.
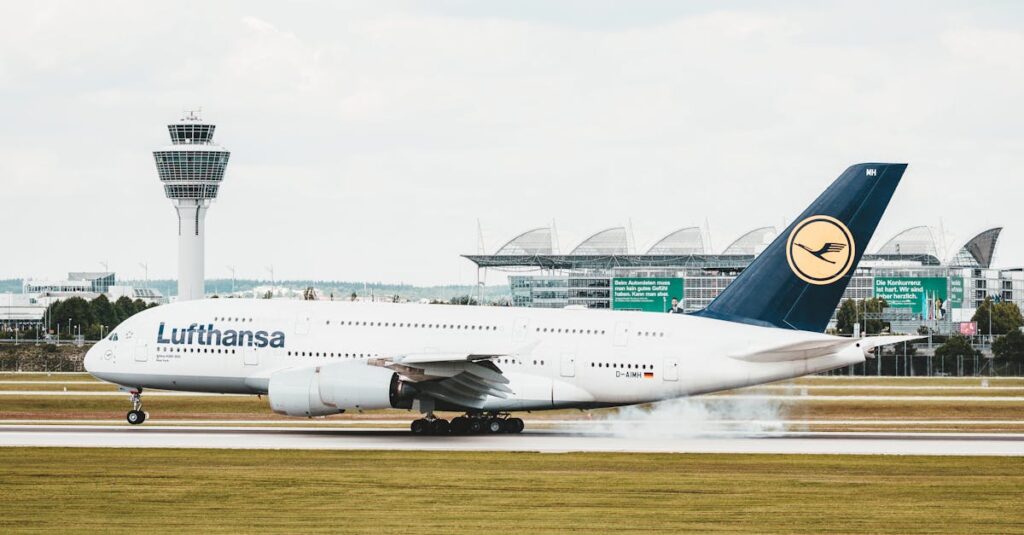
(820, 250)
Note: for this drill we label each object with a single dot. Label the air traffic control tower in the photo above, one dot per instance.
(191, 170)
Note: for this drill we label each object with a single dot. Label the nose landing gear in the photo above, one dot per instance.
(136, 416)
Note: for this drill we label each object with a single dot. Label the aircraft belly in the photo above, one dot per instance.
(191, 383)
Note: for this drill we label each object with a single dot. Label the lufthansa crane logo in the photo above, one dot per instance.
(820, 250)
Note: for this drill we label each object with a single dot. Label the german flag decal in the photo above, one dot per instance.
(648, 375)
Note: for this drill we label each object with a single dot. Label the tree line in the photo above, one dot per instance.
(1002, 320)
(91, 318)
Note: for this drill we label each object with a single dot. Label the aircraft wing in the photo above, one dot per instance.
(809, 349)
(462, 378)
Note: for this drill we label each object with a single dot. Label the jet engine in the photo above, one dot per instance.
(335, 388)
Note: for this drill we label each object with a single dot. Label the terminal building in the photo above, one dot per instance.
(604, 271)
(27, 309)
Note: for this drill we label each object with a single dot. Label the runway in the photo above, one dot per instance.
(544, 441)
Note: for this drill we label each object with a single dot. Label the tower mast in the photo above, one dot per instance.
(191, 169)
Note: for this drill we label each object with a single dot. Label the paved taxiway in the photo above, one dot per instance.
(154, 436)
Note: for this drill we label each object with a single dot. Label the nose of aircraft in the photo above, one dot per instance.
(92, 356)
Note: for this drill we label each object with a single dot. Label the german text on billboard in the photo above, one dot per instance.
(650, 294)
(925, 297)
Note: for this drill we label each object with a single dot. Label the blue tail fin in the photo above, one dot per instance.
(798, 280)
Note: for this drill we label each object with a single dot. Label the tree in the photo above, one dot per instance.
(94, 318)
(852, 312)
(71, 312)
(123, 308)
(462, 300)
(103, 312)
(1010, 346)
(1006, 317)
(956, 346)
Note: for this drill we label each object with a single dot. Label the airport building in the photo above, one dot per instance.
(191, 170)
(27, 309)
(603, 271)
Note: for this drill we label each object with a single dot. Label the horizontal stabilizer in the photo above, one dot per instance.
(809, 349)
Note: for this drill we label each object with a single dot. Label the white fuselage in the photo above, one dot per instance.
(552, 358)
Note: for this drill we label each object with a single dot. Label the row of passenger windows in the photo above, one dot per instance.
(174, 349)
(621, 366)
(453, 326)
(518, 362)
(569, 331)
(594, 331)
(331, 354)
(233, 319)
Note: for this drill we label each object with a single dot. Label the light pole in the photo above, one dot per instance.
(991, 309)
(232, 270)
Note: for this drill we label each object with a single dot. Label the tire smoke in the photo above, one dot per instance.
(696, 417)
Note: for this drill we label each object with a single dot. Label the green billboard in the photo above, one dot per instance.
(956, 292)
(650, 294)
(925, 297)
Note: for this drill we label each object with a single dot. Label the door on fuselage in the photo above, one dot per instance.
(250, 357)
(141, 351)
(568, 365)
(519, 329)
(302, 324)
(670, 369)
(621, 334)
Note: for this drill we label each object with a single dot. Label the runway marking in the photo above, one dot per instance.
(111, 393)
(540, 441)
(861, 398)
(404, 421)
(708, 397)
(880, 387)
(55, 383)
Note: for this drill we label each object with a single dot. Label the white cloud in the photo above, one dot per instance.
(367, 140)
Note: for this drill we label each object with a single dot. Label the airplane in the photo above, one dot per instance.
(318, 358)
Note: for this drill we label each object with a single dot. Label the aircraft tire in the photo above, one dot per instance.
(514, 425)
(460, 425)
(476, 425)
(420, 427)
(440, 427)
(495, 426)
(136, 417)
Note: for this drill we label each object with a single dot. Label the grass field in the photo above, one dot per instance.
(815, 401)
(102, 490)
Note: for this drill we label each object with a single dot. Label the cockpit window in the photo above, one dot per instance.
(112, 337)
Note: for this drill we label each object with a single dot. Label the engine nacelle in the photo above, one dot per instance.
(335, 388)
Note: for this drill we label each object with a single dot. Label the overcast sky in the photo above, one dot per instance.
(368, 139)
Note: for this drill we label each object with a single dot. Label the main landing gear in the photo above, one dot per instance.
(136, 416)
(470, 424)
